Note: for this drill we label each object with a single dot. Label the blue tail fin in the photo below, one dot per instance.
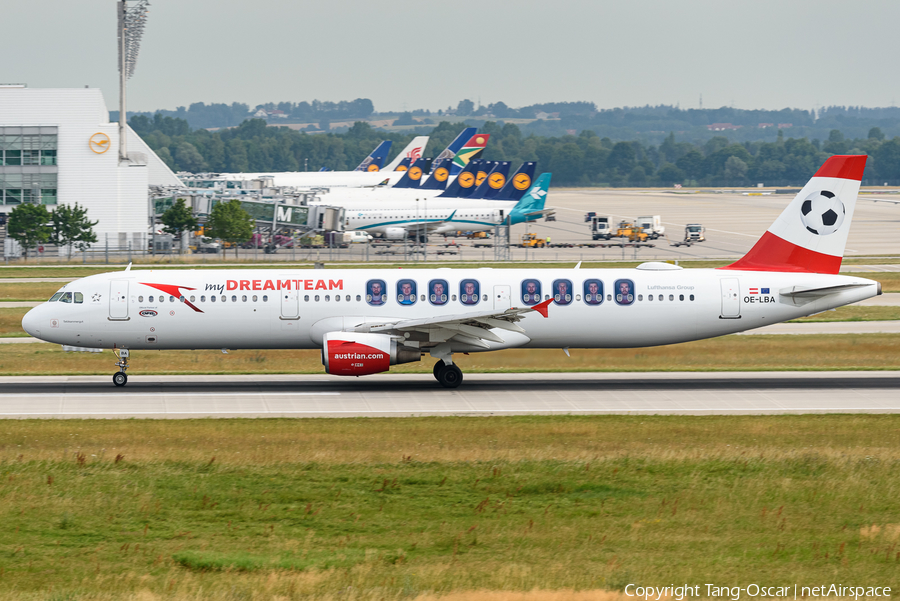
(413, 177)
(456, 144)
(518, 184)
(439, 175)
(493, 182)
(531, 206)
(375, 160)
(404, 165)
(464, 184)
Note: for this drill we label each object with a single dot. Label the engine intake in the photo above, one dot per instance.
(396, 233)
(361, 354)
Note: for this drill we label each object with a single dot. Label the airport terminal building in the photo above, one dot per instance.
(58, 146)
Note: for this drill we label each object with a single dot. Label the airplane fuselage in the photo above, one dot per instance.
(294, 309)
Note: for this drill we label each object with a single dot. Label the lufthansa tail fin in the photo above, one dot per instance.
(811, 234)
(412, 152)
(518, 184)
(440, 173)
(413, 177)
(493, 182)
(464, 184)
(472, 150)
(375, 160)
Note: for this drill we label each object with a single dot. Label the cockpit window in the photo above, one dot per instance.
(79, 298)
(55, 297)
(66, 297)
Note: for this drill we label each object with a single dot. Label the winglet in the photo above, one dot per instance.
(129, 267)
(542, 307)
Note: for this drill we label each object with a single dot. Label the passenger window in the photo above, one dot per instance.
(406, 292)
(469, 292)
(181, 298)
(79, 298)
(162, 299)
(224, 298)
(202, 298)
(437, 292)
(327, 297)
(212, 299)
(562, 292)
(244, 298)
(234, 298)
(531, 292)
(55, 297)
(692, 297)
(255, 298)
(171, 299)
(150, 298)
(681, 297)
(316, 297)
(593, 292)
(305, 298)
(376, 292)
(358, 297)
(347, 298)
(66, 297)
(140, 299)
(193, 298)
(625, 292)
(265, 298)
(671, 297)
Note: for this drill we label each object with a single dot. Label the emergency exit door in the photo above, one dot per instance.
(731, 298)
(290, 299)
(502, 298)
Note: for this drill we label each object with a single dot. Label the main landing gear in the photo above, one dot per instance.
(120, 378)
(449, 376)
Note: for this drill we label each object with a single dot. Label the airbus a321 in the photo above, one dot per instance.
(366, 320)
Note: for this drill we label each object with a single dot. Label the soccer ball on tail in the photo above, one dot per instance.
(822, 213)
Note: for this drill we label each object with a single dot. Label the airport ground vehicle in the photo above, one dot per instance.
(600, 229)
(651, 225)
(693, 233)
(530, 240)
(365, 320)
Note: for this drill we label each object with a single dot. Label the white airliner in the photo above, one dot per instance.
(338, 179)
(366, 320)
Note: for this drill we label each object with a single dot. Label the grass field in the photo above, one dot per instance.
(407, 508)
(729, 353)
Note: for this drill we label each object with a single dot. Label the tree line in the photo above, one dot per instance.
(585, 159)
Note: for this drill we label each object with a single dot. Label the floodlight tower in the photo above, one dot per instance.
(131, 27)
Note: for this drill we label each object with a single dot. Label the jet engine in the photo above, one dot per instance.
(361, 354)
(395, 233)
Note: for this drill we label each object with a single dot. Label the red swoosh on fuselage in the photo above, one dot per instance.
(172, 290)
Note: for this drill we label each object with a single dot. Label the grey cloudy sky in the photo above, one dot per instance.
(412, 54)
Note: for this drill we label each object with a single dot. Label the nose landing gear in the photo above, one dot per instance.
(120, 378)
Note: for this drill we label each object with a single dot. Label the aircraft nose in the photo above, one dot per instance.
(30, 323)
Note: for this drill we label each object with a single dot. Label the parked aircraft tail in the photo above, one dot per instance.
(811, 234)
(412, 151)
(492, 183)
(531, 207)
(376, 158)
(404, 165)
(472, 150)
(457, 143)
(518, 184)
(464, 184)
(440, 174)
(413, 177)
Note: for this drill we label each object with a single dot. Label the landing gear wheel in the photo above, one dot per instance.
(120, 379)
(437, 368)
(449, 376)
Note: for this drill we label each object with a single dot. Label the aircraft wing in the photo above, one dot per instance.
(469, 328)
(426, 225)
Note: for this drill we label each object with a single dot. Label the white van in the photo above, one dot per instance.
(356, 236)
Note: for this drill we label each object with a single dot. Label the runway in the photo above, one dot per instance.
(400, 395)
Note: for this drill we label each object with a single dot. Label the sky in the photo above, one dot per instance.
(405, 54)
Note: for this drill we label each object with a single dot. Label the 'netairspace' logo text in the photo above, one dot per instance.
(680, 592)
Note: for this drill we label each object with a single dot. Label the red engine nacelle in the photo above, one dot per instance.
(361, 354)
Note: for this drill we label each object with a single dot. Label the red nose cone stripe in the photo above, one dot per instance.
(844, 166)
(173, 290)
(771, 253)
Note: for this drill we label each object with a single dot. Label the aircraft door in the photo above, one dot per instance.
(731, 298)
(502, 298)
(118, 300)
(290, 300)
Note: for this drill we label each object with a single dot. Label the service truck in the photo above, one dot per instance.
(651, 225)
(600, 229)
